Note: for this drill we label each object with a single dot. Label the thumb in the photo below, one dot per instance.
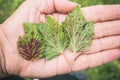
(64, 6)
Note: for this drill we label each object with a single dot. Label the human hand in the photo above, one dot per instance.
(104, 46)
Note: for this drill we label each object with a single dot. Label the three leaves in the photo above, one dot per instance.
(50, 39)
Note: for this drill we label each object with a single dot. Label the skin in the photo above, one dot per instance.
(104, 46)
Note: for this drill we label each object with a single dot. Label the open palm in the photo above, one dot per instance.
(104, 46)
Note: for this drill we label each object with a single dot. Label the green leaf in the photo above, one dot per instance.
(29, 45)
(79, 31)
(54, 38)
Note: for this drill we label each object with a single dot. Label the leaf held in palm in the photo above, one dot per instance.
(29, 45)
(79, 31)
(50, 39)
(54, 38)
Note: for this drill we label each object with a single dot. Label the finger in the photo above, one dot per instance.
(104, 44)
(42, 18)
(51, 6)
(105, 29)
(58, 17)
(101, 13)
(64, 6)
(89, 61)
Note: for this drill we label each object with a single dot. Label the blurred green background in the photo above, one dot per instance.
(110, 71)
